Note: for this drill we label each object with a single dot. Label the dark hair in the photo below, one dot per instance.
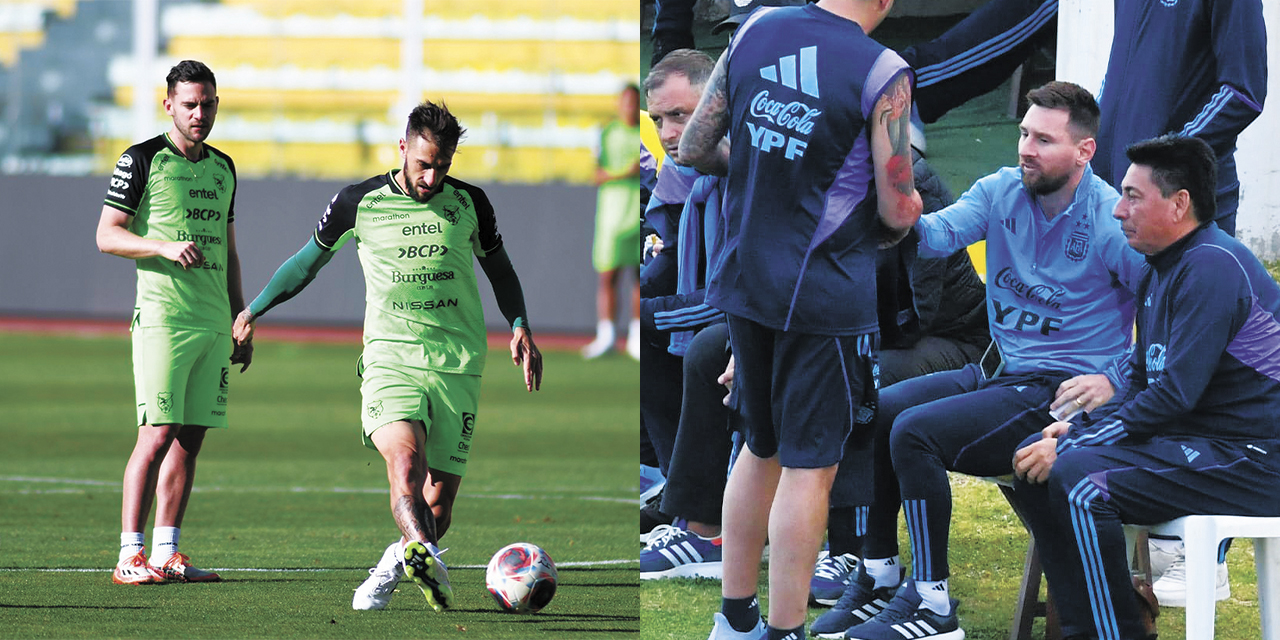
(1082, 109)
(1181, 162)
(190, 71)
(434, 122)
(690, 63)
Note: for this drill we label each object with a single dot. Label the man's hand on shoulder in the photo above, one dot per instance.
(524, 353)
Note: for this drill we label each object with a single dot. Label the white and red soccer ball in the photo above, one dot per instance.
(521, 577)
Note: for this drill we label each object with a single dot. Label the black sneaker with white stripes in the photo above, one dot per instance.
(905, 619)
(860, 602)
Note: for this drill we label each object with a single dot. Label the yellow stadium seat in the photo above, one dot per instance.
(11, 43)
(978, 254)
(649, 138)
(530, 56)
(497, 9)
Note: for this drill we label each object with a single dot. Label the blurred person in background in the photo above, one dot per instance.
(617, 237)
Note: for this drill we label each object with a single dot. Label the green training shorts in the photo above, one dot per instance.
(445, 403)
(617, 238)
(180, 376)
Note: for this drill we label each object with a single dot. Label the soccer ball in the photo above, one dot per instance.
(521, 577)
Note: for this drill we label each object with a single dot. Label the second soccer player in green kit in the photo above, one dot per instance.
(424, 334)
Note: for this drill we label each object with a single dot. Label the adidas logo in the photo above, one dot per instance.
(912, 629)
(784, 72)
(1190, 453)
(1011, 224)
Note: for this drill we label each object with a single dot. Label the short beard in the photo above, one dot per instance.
(410, 189)
(1046, 185)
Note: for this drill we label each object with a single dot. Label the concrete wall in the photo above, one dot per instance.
(1084, 41)
(50, 265)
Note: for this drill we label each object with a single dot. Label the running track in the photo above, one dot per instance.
(267, 332)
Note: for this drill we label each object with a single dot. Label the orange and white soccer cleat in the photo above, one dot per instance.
(135, 570)
(178, 568)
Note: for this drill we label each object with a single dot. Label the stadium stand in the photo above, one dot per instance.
(316, 89)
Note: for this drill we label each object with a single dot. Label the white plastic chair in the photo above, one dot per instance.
(1201, 536)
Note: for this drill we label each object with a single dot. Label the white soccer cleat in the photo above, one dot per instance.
(633, 345)
(376, 591)
(598, 347)
(429, 573)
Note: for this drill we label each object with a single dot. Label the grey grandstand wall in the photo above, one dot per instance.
(50, 265)
(1084, 41)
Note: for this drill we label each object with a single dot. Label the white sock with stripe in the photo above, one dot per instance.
(164, 541)
(934, 596)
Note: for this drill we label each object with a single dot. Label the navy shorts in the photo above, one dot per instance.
(798, 395)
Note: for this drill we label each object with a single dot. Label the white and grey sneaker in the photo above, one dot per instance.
(375, 592)
(1162, 554)
(1171, 588)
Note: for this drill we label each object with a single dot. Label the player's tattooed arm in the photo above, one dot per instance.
(898, 202)
(415, 520)
(896, 116)
(703, 145)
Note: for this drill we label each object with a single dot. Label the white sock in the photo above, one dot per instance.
(934, 596)
(633, 329)
(605, 332)
(130, 544)
(884, 570)
(164, 542)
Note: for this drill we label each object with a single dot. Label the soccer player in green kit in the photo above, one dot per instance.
(617, 232)
(170, 207)
(424, 335)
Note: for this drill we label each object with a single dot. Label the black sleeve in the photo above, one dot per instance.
(235, 184)
(129, 180)
(490, 239)
(978, 53)
(658, 276)
(340, 217)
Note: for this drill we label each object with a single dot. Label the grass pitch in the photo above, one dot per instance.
(292, 510)
(988, 546)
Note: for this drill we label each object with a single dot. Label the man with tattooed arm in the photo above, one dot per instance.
(816, 113)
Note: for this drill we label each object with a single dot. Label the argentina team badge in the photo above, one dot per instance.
(1077, 245)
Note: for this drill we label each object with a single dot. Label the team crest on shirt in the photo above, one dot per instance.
(1078, 245)
(164, 401)
(219, 181)
(450, 214)
(1169, 3)
(375, 409)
